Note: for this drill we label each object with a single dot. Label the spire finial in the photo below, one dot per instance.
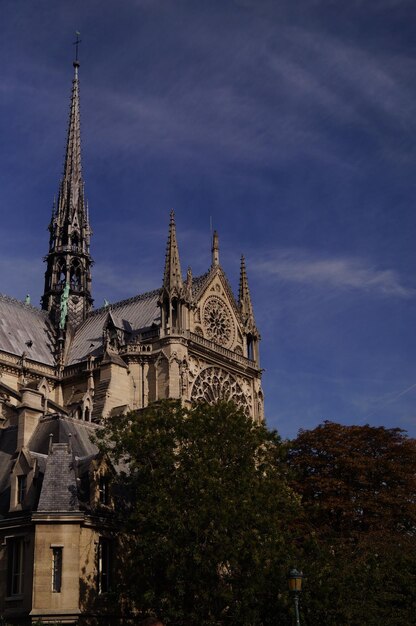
(215, 249)
(76, 44)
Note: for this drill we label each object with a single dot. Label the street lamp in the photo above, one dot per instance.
(295, 587)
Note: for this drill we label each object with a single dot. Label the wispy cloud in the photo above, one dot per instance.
(21, 276)
(329, 69)
(342, 273)
(115, 282)
(304, 83)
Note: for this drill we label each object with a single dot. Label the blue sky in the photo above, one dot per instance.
(291, 124)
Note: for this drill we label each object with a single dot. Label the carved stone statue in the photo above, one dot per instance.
(64, 306)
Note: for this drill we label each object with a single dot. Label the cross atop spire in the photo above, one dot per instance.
(172, 278)
(76, 44)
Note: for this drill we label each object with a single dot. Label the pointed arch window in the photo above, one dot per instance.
(61, 274)
(175, 316)
(252, 347)
(75, 277)
(75, 242)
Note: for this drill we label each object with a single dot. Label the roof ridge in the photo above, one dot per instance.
(140, 296)
(195, 279)
(202, 280)
(110, 307)
(24, 305)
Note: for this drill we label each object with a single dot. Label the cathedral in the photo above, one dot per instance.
(66, 367)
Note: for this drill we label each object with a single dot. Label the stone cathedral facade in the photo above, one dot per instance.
(67, 366)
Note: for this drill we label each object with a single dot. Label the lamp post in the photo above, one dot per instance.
(295, 588)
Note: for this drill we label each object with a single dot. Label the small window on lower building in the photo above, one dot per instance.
(15, 565)
(104, 565)
(21, 489)
(56, 569)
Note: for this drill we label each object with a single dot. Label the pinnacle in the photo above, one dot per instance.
(172, 280)
(244, 298)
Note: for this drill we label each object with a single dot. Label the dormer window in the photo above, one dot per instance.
(21, 488)
(104, 490)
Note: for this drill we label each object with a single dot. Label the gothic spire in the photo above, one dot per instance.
(71, 202)
(172, 278)
(69, 261)
(244, 299)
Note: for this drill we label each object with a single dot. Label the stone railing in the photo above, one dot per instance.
(82, 366)
(215, 347)
(36, 366)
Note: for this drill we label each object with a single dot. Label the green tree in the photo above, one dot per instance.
(358, 489)
(207, 514)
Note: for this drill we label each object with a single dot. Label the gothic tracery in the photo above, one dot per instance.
(218, 321)
(214, 384)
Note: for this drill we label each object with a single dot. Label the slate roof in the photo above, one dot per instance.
(132, 315)
(23, 328)
(199, 282)
(72, 453)
(41, 460)
(59, 487)
(135, 313)
(64, 429)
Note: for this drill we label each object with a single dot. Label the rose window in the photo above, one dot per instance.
(214, 384)
(218, 322)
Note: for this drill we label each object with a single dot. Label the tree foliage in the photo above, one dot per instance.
(356, 480)
(358, 489)
(207, 512)
(216, 509)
